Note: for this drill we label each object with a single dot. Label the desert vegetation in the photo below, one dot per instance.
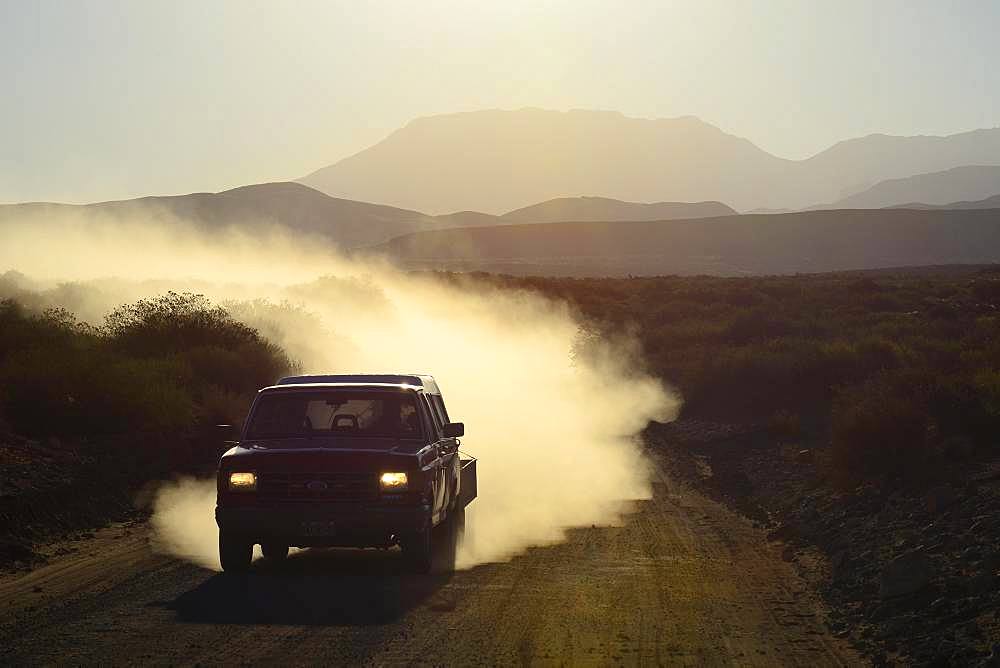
(847, 412)
(161, 365)
(90, 413)
(898, 370)
(854, 418)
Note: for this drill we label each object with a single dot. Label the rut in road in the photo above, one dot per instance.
(682, 582)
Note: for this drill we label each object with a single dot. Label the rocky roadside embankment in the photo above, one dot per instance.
(911, 571)
(52, 489)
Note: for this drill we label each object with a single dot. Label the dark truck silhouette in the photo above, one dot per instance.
(345, 461)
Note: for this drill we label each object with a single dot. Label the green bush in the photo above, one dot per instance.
(174, 323)
(784, 426)
(880, 427)
(897, 364)
(968, 407)
(160, 365)
(66, 392)
(760, 324)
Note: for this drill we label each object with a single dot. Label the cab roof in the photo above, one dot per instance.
(425, 382)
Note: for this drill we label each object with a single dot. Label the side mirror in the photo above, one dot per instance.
(227, 433)
(453, 429)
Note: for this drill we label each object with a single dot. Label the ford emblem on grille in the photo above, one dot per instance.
(316, 486)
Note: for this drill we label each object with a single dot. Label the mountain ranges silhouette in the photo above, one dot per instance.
(496, 161)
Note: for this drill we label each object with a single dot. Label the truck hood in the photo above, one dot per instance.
(305, 454)
(341, 444)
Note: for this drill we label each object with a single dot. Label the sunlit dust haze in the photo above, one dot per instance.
(551, 412)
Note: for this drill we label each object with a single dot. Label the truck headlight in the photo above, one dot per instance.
(393, 481)
(242, 482)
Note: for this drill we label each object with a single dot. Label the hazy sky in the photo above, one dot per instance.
(107, 100)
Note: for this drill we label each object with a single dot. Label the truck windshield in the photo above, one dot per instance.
(297, 414)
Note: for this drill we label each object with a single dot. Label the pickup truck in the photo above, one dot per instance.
(343, 461)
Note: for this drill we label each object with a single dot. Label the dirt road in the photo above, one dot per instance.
(683, 582)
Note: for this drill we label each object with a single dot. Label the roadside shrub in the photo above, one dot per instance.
(897, 363)
(61, 392)
(243, 369)
(216, 348)
(987, 290)
(220, 406)
(158, 366)
(882, 302)
(880, 426)
(758, 325)
(968, 407)
(744, 382)
(784, 426)
(174, 323)
(54, 327)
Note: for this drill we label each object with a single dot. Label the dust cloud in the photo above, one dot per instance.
(184, 521)
(551, 413)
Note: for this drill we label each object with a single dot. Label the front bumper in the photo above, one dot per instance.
(330, 524)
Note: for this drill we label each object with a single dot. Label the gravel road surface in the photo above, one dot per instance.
(684, 581)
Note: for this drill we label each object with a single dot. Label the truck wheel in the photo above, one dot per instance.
(274, 551)
(417, 550)
(235, 553)
(448, 540)
(455, 493)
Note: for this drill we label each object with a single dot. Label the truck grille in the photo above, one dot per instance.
(317, 486)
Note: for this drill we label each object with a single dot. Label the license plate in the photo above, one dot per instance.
(317, 528)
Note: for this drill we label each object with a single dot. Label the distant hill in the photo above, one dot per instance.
(344, 222)
(960, 184)
(855, 165)
(590, 209)
(495, 161)
(814, 241)
(467, 219)
(771, 211)
(988, 203)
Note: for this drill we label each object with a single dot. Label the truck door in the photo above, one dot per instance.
(448, 445)
(433, 427)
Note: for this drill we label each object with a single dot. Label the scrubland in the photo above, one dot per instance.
(853, 415)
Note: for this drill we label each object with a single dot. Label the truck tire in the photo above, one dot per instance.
(456, 491)
(418, 551)
(274, 551)
(448, 539)
(235, 553)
